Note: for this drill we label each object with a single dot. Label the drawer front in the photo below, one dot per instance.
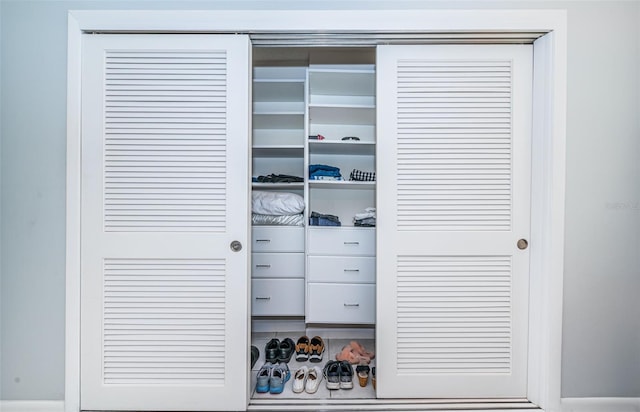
(341, 303)
(277, 265)
(277, 239)
(342, 269)
(277, 297)
(342, 241)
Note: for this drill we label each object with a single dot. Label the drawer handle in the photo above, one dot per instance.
(263, 240)
(351, 304)
(352, 270)
(263, 266)
(351, 243)
(263, 298)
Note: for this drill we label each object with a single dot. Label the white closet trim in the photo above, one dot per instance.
(549, 137)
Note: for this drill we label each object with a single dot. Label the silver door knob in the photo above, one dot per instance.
(522, 244)
(236, 246)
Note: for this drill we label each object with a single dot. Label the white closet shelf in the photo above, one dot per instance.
(346, 147)
(341, 184)
(279, 107)
(278, 151)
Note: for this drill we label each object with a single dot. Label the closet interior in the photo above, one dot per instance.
(313, 164)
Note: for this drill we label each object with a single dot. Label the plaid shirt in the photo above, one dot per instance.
(360, 176)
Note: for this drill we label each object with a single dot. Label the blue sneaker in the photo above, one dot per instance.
(264, 374)
(280, 374)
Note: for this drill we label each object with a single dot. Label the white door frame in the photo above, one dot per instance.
(548, 151)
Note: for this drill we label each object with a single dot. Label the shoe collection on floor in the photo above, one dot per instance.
(337, 374)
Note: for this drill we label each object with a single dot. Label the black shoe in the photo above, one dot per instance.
(287, 347)
(272, 351)
(346, 375)
(255, 354)
(331, 374)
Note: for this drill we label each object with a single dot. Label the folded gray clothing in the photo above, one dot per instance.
(279, 220)
(368, 221)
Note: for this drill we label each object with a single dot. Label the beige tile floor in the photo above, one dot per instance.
(332, 347)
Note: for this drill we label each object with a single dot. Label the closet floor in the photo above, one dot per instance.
(332, 347)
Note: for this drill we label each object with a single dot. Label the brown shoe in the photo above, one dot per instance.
(316, 349)
(373, 377)
(363, 374)
(302, 349)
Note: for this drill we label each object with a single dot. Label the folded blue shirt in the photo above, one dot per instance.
(323, 170)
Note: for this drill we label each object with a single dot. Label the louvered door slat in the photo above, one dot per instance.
(416, 81)
(136, 148)
(429, 277)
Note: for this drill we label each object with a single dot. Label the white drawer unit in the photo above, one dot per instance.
(277, 239)
(342, 269)
(354, 241)
(277, 297)
(277, 265)
(341, 303)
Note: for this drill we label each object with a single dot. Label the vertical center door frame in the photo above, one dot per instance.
(549, 141)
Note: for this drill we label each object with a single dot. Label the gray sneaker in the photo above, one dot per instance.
(280, 374)
(264, 375)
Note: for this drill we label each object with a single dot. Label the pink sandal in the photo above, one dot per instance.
(348, 355)
(361, 351)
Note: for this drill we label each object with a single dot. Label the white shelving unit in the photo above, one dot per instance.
(278, 147)
(279, 106)
(289, 104)
(342, 104)
(279, 123)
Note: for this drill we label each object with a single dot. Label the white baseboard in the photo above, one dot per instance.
(32, 406)
(568, 405)
(600, 404)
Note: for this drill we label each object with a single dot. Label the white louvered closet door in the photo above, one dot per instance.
(165, 143)
(454, 127)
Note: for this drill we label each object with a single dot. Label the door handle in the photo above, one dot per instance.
(522, 244)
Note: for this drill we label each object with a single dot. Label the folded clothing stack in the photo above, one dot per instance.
(324, 172)
(319, 219)
(366, 219)
(360, 176)
(277, 208)
(277, 178)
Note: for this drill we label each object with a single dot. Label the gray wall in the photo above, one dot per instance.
(601, 336)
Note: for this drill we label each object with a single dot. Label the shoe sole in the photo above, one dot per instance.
(346, 385)
(312, 390)
(315, 358)
(262, 389)
(333, 386)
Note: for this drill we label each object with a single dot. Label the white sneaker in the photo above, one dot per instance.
(313, 380)
(300, 379)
